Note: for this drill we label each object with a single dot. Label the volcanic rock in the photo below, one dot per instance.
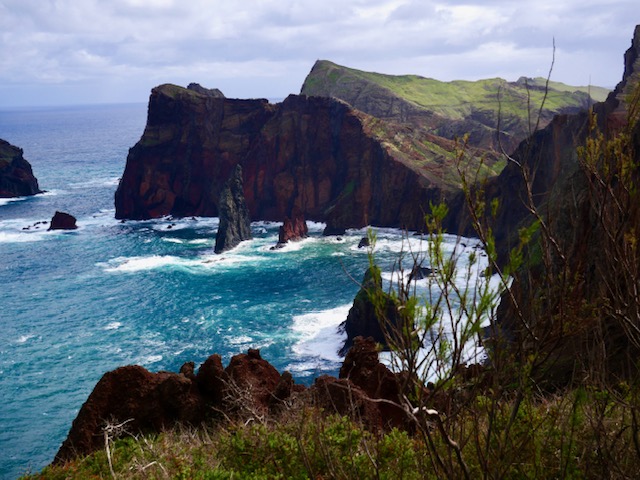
(561, 188)
(63, 221)
(253, 378)
(209, 92)
(362, 367)
(133, 396)
(374, 313)
(335, 164)
(235, 224)
(293, 228)
(16, 174)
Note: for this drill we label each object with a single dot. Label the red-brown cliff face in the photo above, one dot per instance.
(317, 154)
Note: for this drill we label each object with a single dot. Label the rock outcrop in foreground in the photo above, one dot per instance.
(235, 223)
(16, 174)
(141, 401)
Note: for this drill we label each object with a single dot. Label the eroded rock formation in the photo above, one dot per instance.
(235, 223)
(293, 228)
(16, 174)
(317, 154)
(374, 313)
(249, 387)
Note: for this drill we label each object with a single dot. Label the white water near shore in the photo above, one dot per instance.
(78, 304)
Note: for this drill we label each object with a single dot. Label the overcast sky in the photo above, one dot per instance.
(56, 52)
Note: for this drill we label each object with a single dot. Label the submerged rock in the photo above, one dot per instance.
(235, 224)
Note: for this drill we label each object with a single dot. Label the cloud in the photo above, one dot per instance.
(265, 48)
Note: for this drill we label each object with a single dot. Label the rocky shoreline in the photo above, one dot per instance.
(149, 402)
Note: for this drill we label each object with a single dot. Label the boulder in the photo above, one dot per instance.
(235, 224)
(16, 174)
(63, 221)
(252, 381)
(364, 242)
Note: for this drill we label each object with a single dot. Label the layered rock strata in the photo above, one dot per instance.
(317, 154)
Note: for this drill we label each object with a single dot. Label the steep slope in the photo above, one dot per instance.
(318, 154)
(452, 109)
(16, 175)
(574, 300)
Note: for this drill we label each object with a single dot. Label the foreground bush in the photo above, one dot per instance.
(579, 434)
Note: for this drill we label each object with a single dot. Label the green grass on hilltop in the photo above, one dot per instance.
(457, 99)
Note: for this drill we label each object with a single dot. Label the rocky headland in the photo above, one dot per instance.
(350, 153)
(16, 174)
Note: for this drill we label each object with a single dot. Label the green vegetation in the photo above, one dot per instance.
(511, 417)
(581, 433)
(455, 100)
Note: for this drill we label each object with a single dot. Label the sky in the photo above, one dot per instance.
(68, 52)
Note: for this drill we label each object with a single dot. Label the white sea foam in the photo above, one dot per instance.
(6, 201)
(97, 182)
(25, 338)
(317, 227)
(198, 264)
(318, 333)
(173, 240)
(137, 264)
(20, 237)
(151, 359)
(239, 340)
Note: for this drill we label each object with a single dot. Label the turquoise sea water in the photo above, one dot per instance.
(77, 304)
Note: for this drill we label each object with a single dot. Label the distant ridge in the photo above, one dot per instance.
(453, 109)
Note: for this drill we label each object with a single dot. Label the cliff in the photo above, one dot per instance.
(452, 109)
(334, 163)
(573, 299)
(16, 175)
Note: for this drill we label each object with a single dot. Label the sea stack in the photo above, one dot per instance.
(16, 175)
(63, 221)
(293, 228)
(235, 224)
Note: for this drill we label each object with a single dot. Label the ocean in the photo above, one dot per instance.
(80, 303)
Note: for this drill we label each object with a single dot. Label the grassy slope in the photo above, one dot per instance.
(456, 99)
